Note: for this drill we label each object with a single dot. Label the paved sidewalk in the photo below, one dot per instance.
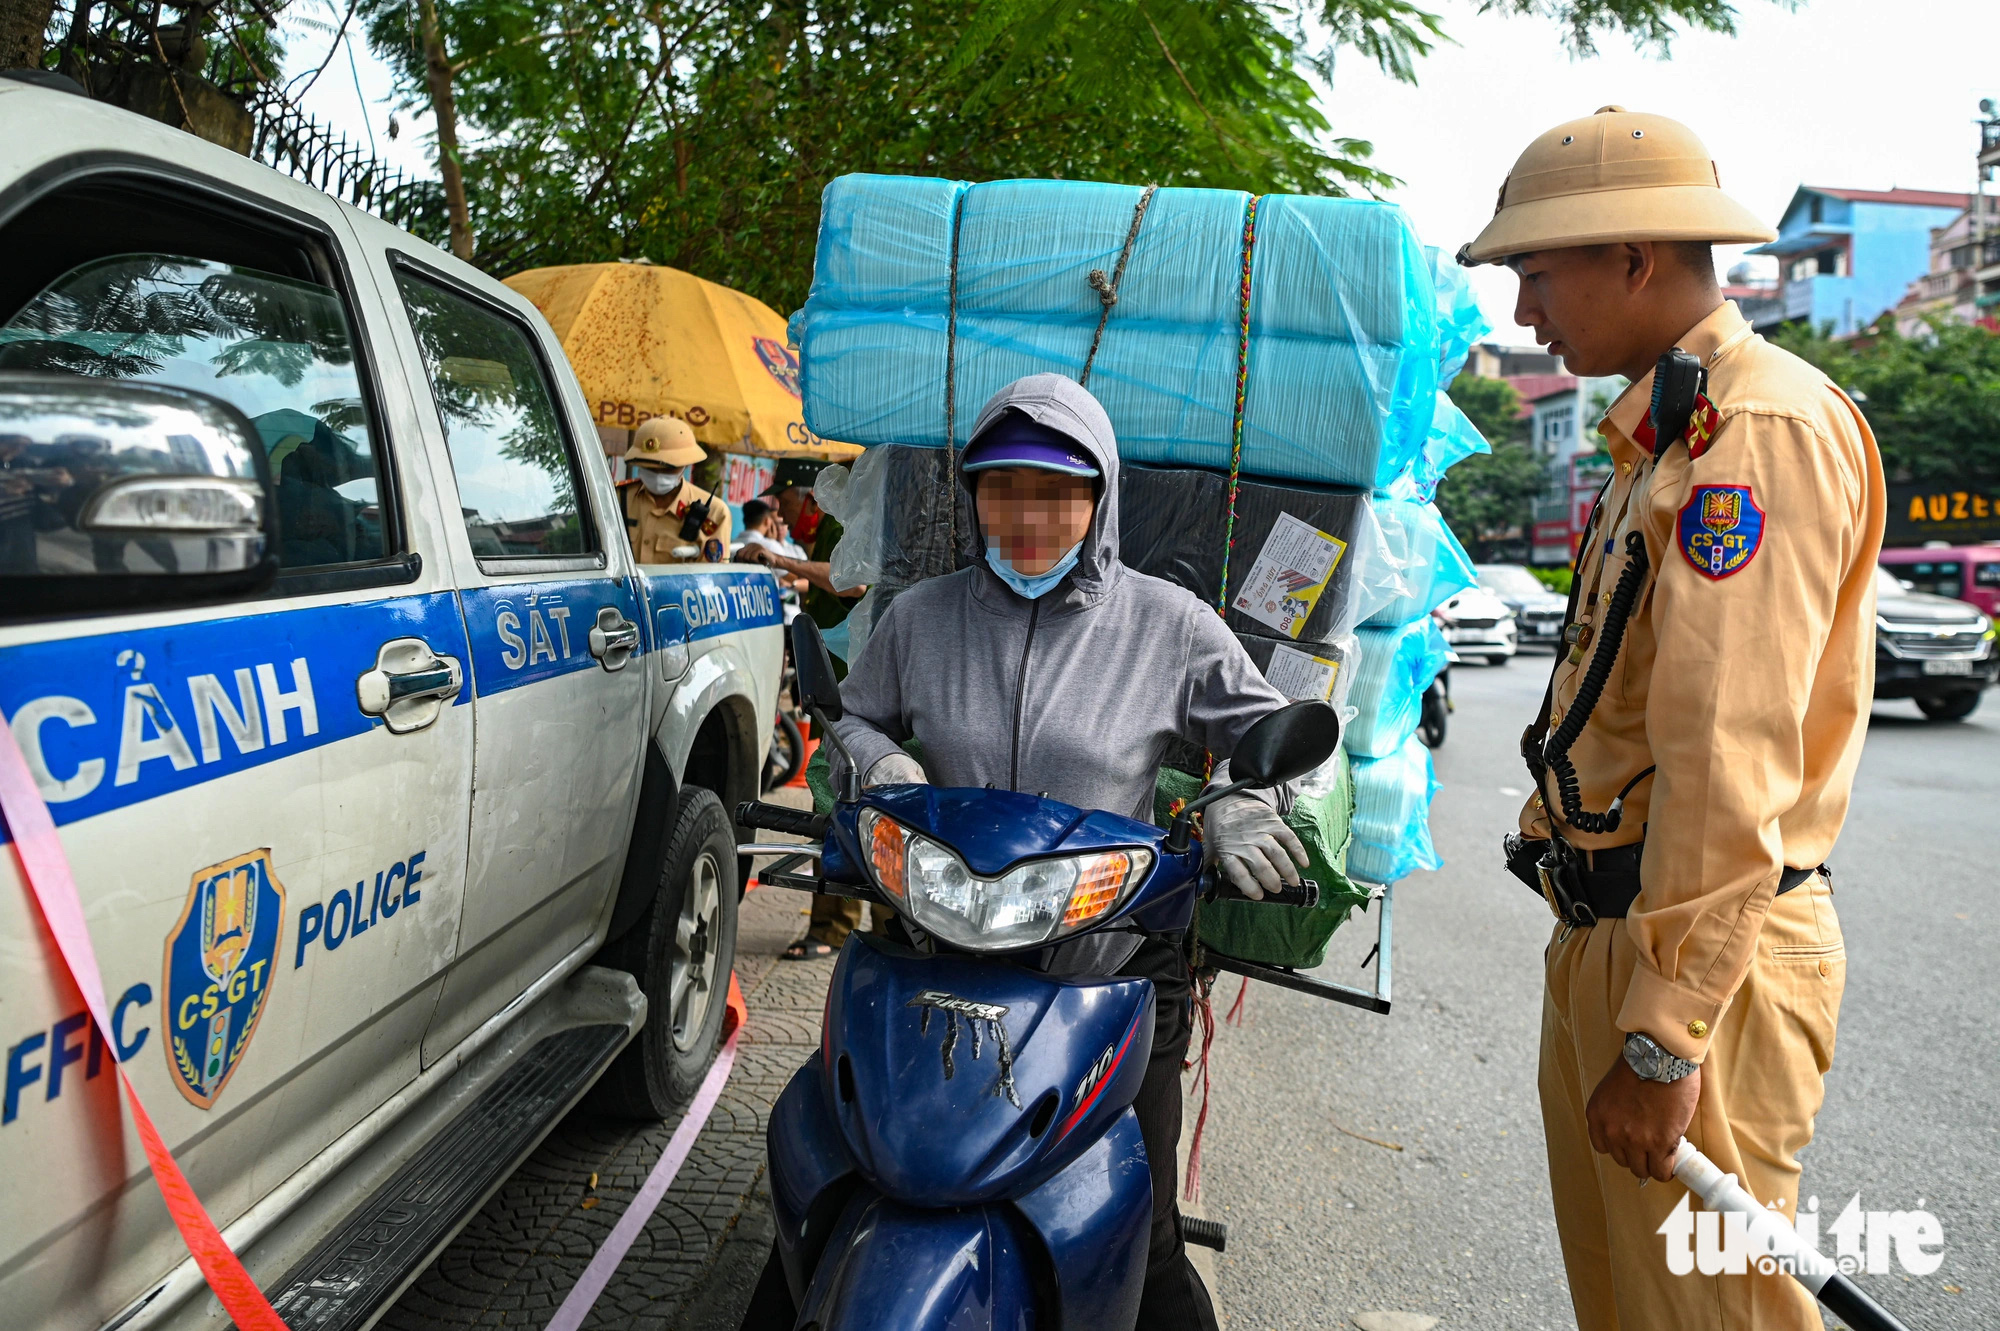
(514, 1263)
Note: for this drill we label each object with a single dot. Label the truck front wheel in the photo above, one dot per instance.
(681, 951)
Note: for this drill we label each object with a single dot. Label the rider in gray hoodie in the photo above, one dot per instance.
(1075, 677)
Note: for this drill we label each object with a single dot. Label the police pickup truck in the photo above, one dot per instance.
(393, 790)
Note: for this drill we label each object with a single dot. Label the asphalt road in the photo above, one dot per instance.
(1456, 1225)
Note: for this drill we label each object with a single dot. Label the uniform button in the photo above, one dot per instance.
(1825, 969)
(1555, 716)
(1625, 468)
(1697, 1028)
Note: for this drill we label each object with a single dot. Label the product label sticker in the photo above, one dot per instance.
(1301, 676)
(1290, 572)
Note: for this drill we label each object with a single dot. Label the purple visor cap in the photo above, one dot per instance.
(1016, 441)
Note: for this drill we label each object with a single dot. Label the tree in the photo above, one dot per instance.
(1933, 400)
(700, 133)
(1489, 498)
(1492, 405)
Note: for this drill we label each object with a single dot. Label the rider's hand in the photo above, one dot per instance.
(895, 769)
(1247, 840)
(1640, 1123)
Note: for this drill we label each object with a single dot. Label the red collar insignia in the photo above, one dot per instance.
(1701, 430)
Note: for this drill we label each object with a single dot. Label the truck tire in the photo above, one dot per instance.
(1949, 706)
(681, 951)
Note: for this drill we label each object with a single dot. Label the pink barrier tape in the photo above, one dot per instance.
(46, 868)
(584, 1294)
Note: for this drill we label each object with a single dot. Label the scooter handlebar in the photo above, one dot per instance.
(778, 818)
(1305, 895)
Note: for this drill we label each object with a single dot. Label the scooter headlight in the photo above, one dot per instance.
(1031, 903)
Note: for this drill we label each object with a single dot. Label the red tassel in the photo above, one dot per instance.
(1235, 1017)
(1204, 1015)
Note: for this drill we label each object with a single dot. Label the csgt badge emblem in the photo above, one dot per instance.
(219, 970)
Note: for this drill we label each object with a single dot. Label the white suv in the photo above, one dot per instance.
(395, 792)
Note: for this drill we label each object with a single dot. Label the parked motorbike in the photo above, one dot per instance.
(963, 1152)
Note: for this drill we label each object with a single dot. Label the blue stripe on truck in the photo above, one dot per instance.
(117, 718)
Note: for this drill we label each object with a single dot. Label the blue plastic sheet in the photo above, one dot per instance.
(1461, 323)
(1431, 563)
(1387, 691)
(1344, 350)
(1453, 438)
(1392, 823)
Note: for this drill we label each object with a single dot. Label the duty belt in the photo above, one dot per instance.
(1583, 887)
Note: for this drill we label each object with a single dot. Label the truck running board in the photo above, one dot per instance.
(367, 1261)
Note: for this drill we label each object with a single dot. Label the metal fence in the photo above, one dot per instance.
(293, 142)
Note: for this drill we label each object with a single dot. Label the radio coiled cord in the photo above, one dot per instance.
(1555, 752)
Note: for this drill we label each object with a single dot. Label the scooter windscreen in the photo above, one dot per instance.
(998, 871)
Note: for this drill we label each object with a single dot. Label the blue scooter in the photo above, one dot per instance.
(963, 1153)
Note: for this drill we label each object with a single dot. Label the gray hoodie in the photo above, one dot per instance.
(1079, 694)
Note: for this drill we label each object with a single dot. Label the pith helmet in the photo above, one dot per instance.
(665, 441)
(1614, 176)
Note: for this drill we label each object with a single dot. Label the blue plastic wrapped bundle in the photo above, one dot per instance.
(1344, 320)
(1392, 822)
(884, 263)
(1432, 564)
(1343, 342)
(1387, 691)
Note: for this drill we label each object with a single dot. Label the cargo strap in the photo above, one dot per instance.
(1107, 288)
(1242, 379)
(47, 870)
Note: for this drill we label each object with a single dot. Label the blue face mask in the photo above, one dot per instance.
(1033, 586)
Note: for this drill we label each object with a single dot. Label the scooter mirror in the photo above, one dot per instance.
(818, 688)
(1286, 744)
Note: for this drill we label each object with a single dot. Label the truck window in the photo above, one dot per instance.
(278, 348)
(1939, 577)
(517, 475)
(1986, 575)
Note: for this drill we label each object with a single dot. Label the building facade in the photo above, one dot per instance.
(1845, 256)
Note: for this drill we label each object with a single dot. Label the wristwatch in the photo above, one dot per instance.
(1646, 1057)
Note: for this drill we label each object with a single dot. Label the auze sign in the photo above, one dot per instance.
(1958, 512)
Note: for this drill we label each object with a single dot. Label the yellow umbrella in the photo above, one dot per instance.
(651, 341)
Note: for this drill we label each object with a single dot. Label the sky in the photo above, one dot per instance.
(1857, 93)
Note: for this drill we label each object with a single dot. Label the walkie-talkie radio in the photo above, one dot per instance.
(1678, 382)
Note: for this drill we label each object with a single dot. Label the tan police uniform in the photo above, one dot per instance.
(687, 525)
(1744, 683)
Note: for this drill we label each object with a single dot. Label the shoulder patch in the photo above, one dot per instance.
(1720, 529)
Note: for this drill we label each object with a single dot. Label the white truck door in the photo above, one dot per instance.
(555, 627)
(264, 801)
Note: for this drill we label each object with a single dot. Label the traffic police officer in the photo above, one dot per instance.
(1693, 770)
(670, 519)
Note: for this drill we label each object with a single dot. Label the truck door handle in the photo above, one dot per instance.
(613, 638)
(409, 685)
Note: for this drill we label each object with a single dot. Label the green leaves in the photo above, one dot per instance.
(1489, 498)
(1932, 400)
(699, 133)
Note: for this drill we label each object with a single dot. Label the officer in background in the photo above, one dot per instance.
(670, 519)
(1692, 770)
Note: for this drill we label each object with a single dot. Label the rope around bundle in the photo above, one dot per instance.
(1107, 288)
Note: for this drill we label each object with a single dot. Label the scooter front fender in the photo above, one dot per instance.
(889, 1265)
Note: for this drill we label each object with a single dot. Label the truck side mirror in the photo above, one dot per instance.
(136, 495)
(1286, 744)
(818, 687)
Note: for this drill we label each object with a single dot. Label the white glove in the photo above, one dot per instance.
(895, 769)
(1246, 839)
